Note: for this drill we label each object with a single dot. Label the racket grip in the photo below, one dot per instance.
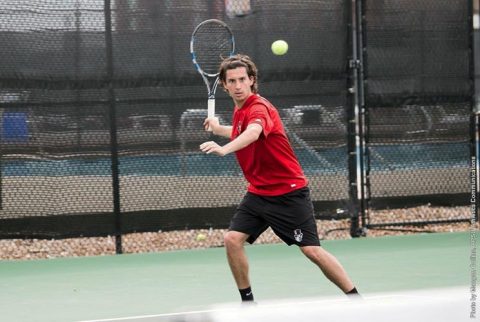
(211, 110)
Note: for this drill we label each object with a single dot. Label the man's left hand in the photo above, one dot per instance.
(212, 147)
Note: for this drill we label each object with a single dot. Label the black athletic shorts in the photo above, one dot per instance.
(290, 216)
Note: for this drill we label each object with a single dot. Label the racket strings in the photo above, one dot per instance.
(212, 43)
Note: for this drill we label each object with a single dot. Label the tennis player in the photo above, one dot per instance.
(278, 195)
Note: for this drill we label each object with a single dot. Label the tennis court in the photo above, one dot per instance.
(164, 286)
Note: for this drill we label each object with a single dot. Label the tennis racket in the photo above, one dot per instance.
(212, 41)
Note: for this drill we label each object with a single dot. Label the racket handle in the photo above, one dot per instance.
(211, 110)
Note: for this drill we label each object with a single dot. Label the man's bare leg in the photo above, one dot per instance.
(330, 266)
(237, 259)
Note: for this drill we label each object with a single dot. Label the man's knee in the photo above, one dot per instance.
(314, 253)
(234, 238)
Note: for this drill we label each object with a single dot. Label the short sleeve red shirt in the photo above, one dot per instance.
(269, 164)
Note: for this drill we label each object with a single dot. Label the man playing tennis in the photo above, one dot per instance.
(278, 195)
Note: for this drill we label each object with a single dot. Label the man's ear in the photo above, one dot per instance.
(222, 84)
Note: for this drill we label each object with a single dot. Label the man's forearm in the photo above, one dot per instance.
(223, 130)
(246, 138)
(251, 134)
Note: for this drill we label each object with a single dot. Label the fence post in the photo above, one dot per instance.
(356, 125)
(113, 127)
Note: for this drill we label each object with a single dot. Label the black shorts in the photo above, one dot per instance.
(290, 216)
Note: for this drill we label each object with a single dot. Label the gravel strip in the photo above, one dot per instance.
(11, 249)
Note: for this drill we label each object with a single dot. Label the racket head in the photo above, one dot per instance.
(212, 41)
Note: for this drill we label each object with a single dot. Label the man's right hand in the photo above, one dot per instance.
(211, 124)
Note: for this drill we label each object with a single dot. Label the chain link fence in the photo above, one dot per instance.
(101, 110)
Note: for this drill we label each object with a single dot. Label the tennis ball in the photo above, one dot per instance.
(279, 47)
(201, 237)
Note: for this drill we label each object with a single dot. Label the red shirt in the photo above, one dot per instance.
(269, 164)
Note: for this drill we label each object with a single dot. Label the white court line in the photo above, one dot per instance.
(138, 317)
(279, 303)
(231, 308)
(400, 300)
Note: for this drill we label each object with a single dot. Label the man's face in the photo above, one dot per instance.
(238, 85)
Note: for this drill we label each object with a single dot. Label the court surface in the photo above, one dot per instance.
(166, 286)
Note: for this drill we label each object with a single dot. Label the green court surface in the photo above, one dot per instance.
(74, 289)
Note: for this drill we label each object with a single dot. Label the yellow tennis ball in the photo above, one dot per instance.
(279, 47)
(201, 237)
